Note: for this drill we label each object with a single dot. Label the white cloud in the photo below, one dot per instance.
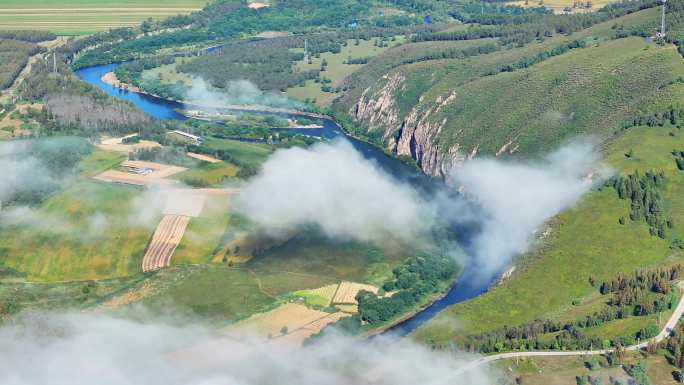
(86, 349)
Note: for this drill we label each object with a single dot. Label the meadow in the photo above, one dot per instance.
(337, 68)
(244, 152)
(86, 231)
(82, 17)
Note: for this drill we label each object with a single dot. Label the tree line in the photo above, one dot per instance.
(642, 293)
(522, 29)
(29, 36)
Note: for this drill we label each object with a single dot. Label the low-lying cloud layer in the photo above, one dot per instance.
(334, 188)
(88, 349)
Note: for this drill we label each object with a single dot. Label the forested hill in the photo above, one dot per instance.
(515, 85)
(224, 20)
(462, 79)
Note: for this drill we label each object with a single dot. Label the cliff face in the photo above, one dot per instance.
(416, 133)
(378, 110)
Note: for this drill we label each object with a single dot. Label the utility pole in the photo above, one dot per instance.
(306, 49)
(662, 21)
(54, 62)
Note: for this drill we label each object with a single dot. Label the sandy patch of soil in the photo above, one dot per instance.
(204, 158)
(111, 79)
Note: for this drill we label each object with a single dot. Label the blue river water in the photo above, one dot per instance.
(469, 284)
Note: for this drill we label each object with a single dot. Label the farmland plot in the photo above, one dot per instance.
(346, 293)
(166, 238)
(290, 323)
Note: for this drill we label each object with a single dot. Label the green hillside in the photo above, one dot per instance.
(586, 242)
(529, 98)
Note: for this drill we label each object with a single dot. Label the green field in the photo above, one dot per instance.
(99, 161)
(203, 234)
(208, 174)
(80, 17)
(85, 232)
(337, 69)
(586, 241)
(222, 293)
(249, 153)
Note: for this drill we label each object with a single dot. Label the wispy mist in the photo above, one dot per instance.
(516, 199)
(236, 92)
(334, 188)
(90, 349)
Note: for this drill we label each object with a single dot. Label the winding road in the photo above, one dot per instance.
(669, 327)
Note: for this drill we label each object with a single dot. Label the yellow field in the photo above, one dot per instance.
(321, 297)
(288, 323)
(346, 293)
(79, 17)
(558, 6)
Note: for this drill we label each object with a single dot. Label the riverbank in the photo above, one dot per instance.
(111, 79)
(409, 315)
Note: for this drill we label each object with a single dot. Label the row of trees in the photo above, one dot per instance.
(643, 293)
(646, 201)
(29, 36)
(532, 60)
(673, 116)
(521, 29)
(657, 281)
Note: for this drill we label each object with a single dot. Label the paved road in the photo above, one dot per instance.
(669, 326)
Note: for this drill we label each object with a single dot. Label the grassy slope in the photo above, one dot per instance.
(204, 233)
(80, 17)
(92, 237)
(336, 69)
(585, 241)
(522, 94)
(592, 90)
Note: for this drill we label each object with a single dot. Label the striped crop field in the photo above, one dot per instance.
(81, 17)
(164, 242)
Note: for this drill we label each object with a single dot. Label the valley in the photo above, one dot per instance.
(493, 186)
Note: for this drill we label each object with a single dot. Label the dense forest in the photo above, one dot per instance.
(229, 19)
(522, 29)
(413, 281)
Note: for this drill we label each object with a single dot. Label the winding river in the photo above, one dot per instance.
(469, 284)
